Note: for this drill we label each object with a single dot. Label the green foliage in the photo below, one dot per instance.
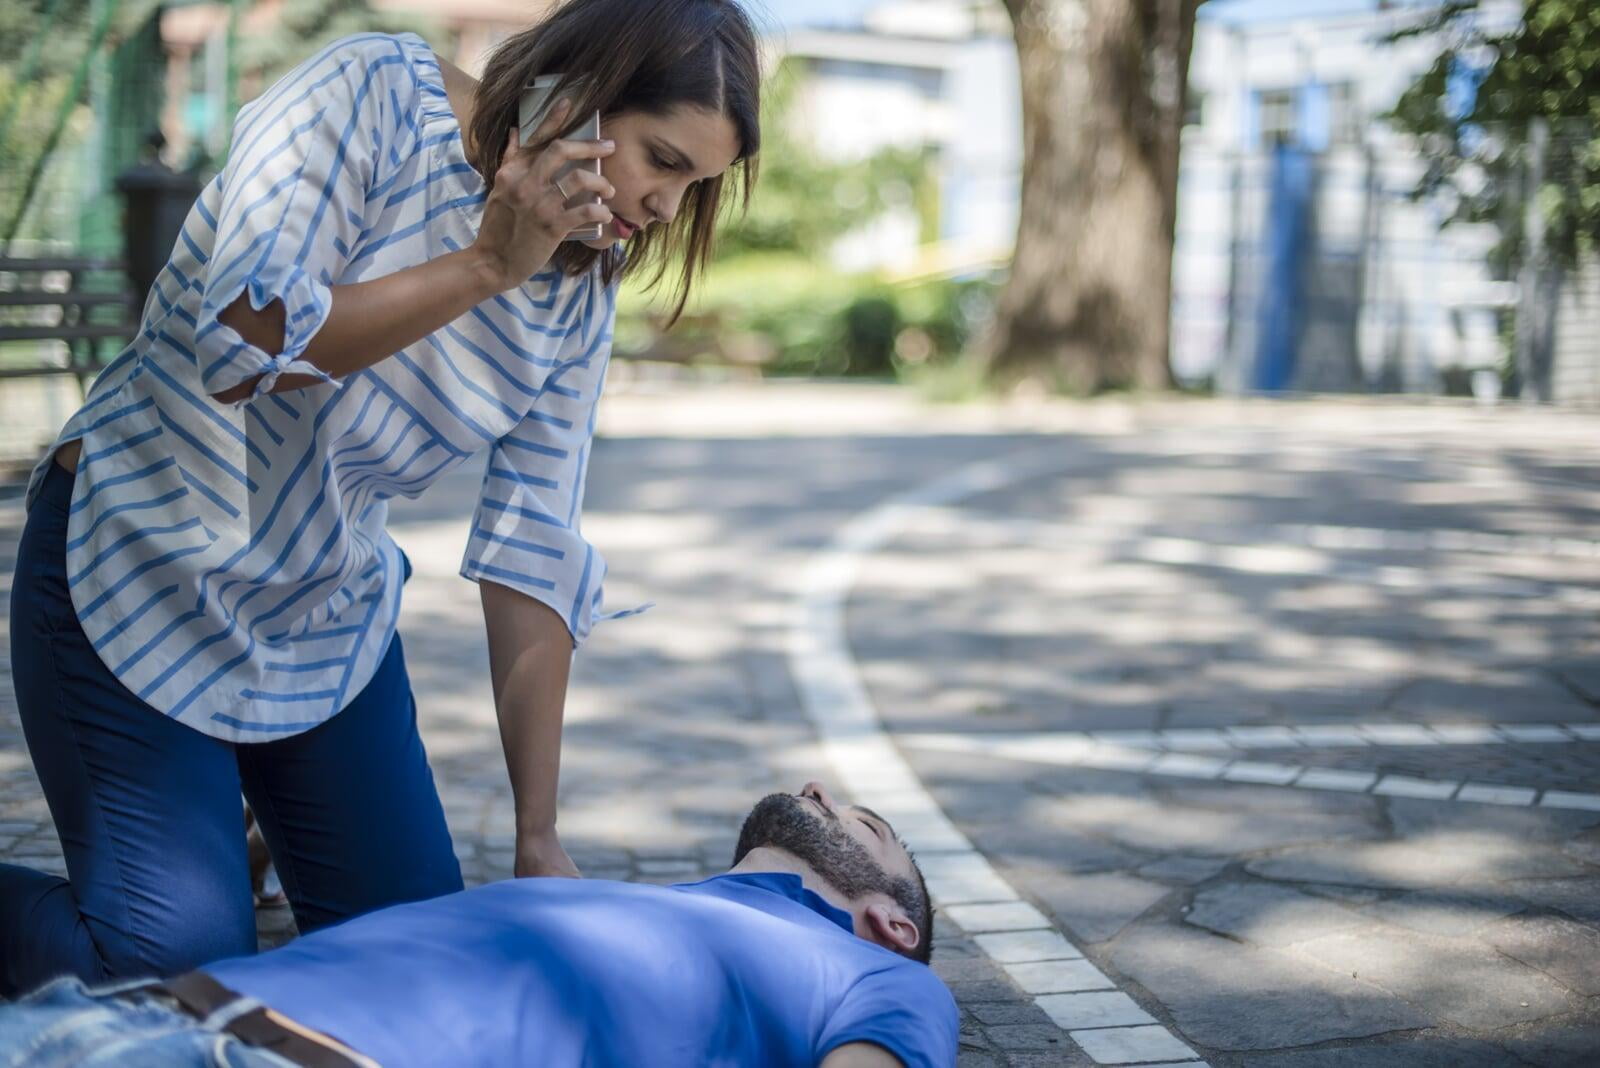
(810, 321)
(802, 203)
(36, 113)
(769, 297)
(957, 382)
(1545, 67)
(54, 35)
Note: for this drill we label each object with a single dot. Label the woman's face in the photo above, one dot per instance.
(657, 159)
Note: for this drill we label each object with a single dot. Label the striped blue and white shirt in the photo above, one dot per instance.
(230, 563)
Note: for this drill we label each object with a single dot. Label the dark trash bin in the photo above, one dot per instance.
(155, 201)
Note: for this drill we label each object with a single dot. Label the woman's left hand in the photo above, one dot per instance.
(541, 853)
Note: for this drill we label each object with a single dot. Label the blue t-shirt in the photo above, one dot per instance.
(736, 970)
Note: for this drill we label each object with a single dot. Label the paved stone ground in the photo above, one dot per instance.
(1315, 566)
(1188, 567)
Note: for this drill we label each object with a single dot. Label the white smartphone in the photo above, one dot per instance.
(536, 102)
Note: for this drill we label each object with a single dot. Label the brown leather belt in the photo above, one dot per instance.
(200, 995)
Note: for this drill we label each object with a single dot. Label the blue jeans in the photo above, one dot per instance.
(64, 1024)
(148, 809)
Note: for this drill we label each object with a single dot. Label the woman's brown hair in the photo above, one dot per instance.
(649, 56)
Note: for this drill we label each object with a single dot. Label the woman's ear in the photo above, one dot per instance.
(890, 927)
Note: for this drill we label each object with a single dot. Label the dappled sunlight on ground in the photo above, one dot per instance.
(1182, 567)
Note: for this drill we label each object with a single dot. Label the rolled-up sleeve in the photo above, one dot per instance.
(526, 531)
(905, 1009)
(305, 158)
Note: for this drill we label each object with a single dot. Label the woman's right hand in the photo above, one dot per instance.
(526, 217)
(542, 854)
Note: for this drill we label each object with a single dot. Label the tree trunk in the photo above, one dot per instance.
(1087, 304)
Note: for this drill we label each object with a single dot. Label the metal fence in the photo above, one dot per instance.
(1317, 271)
(1575, 341)
(1321, 271)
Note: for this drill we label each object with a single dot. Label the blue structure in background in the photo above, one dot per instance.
(1288, 235)
(1287, 239)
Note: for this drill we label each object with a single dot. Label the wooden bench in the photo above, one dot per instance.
(81, 301)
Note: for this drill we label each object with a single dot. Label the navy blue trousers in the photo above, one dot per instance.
(148, 810)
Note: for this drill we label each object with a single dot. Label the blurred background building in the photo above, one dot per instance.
(937, 74)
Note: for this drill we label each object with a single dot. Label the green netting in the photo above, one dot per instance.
(80, 90)
(135, 80)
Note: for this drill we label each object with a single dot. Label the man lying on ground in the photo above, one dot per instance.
(811, 949)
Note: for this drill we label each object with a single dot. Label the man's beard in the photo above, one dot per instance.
(784, 821)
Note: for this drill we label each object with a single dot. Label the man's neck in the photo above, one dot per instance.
(763, 859)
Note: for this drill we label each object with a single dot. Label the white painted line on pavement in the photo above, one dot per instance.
(1488, 794)
(1339, 736)
(1533, 733)
(1124, 737)
(1358, 782)
(1467, 733)
(1331, 736)
(1261, 772)
(1010, 916)
(1100, 1008)
(1130, 1045)
(1187, 765)
(962, 878)
(1195, 738)
(1568, 799)
(1116, 758)
(1058, 977)
(1022, 947)
(1261, 737)
(1409, 786)
(1072, 749)
(868, 764)
(1400, 734)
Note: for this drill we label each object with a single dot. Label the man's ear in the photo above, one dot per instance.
(890, 927)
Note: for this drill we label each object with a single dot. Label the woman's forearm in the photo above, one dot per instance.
(530, 657)
(369, 321)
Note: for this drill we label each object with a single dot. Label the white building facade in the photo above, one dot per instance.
(928, 73)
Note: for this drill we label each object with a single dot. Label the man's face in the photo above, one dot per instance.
(850, 847)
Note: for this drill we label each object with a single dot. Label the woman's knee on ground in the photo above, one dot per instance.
(170, 935)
